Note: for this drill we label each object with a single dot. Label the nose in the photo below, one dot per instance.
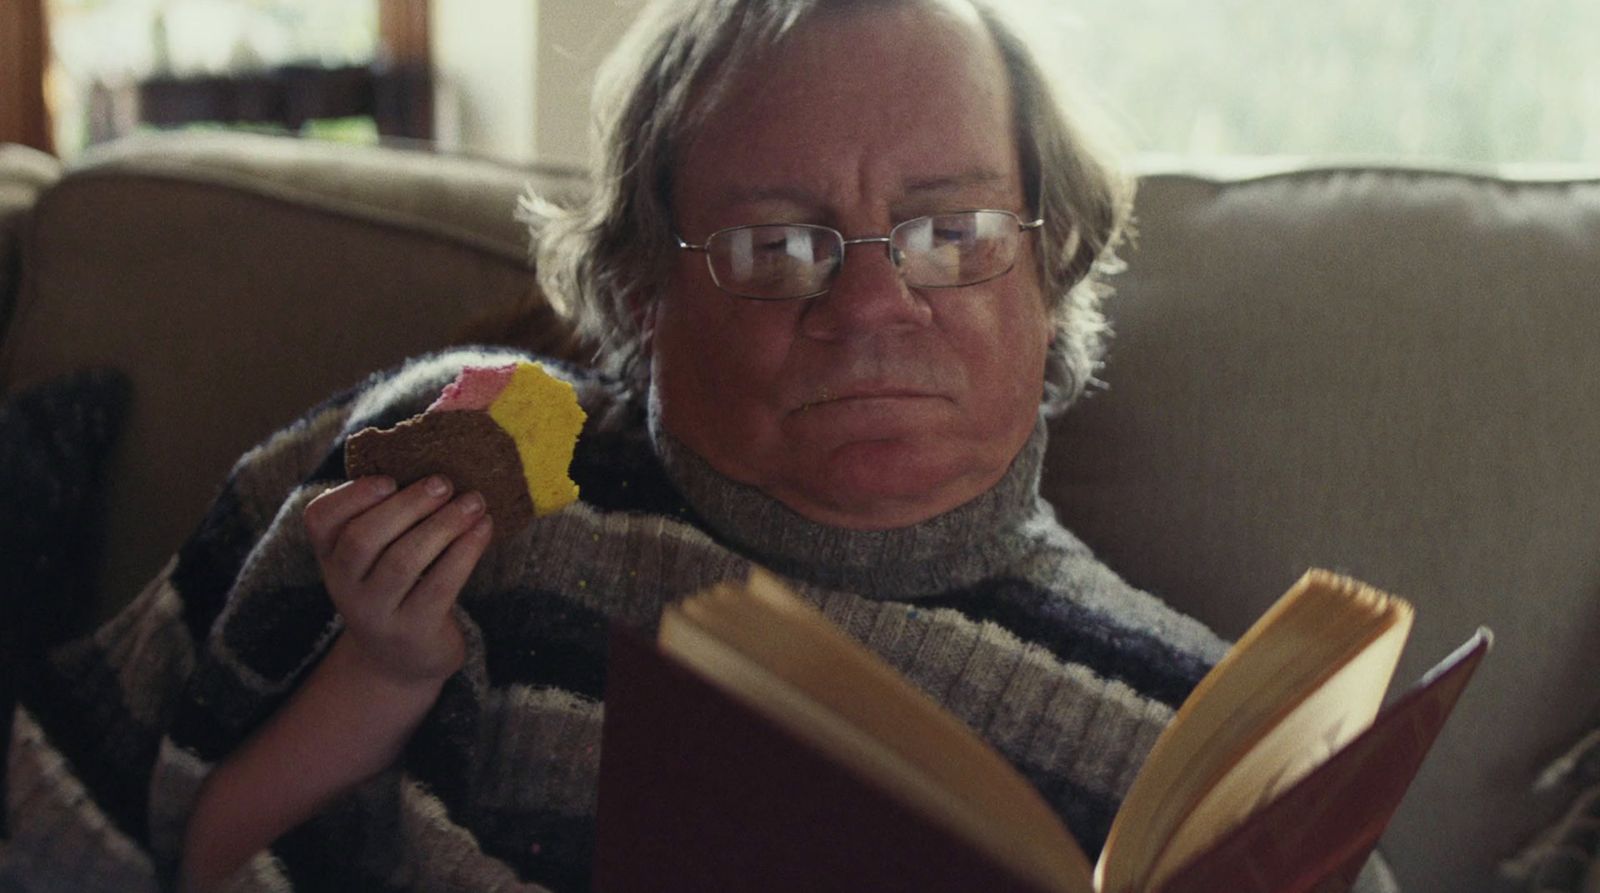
(867, 296)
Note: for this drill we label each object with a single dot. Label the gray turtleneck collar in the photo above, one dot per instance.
(951, 550)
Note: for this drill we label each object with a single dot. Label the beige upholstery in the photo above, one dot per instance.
(239, 280)
(1391, 373)
(1386, 372)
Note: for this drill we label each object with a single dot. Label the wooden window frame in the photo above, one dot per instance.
(24, 53)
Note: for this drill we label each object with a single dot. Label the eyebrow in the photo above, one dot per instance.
(955, 182)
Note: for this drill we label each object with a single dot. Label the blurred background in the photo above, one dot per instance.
(1476, 82)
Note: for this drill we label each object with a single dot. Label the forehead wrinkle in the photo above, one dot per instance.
(737, 194)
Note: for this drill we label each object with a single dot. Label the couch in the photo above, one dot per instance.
(1386, 371)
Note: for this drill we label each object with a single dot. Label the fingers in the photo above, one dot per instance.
(364, 536)
(435, 593)
(394, 563)
(326, 515)
(375, 544)
(407, 556)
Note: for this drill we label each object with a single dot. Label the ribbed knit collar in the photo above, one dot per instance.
(972, 541)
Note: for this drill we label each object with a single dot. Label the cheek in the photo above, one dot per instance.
(1022, 326)
(1039, 329)
(1014, 357)
(707, 346)
(1025, 366)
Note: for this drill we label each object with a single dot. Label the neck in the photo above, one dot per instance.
(946, 551)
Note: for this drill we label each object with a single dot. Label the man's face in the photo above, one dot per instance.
(875, 405)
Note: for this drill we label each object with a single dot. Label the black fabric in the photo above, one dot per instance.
(1086, 814)
(208, 560)
(111, 751)
(54, 441)
(55, 438)
(545, 847)
(543, 638)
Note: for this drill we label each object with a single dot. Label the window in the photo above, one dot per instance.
(117, 61)
(1475, 81)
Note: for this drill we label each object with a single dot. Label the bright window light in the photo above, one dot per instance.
(1474, 81)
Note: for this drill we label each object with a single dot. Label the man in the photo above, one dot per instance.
(839, 255)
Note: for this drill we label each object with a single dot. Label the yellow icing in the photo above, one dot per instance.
(542, 415)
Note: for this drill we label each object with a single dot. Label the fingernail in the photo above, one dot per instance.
(383, 485)
(437, 486)
(471, 504)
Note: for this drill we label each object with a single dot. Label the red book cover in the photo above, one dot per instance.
(700, 792)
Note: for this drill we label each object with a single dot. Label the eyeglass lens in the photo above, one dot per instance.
(955, 249)
(774, 261)
(782, 261)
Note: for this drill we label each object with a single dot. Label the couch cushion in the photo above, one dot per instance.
(238, 280)
(1391, 373)
(454, 197)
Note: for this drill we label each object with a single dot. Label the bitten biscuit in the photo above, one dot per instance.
(506, 431)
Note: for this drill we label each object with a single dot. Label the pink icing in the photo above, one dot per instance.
(474, 389)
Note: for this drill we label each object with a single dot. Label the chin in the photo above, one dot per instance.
(874, 485)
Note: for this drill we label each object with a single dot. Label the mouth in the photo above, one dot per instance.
(825, 395)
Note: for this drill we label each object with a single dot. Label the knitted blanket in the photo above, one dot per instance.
(994, 609)
(1565, 856)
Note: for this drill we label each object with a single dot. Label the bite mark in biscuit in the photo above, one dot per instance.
(508, 432)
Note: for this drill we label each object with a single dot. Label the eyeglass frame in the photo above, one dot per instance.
(844, 243)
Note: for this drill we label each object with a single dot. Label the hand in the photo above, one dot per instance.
(394, 564)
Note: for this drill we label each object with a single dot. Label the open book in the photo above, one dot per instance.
(757, 746)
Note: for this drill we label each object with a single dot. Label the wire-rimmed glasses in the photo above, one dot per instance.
(793, 261)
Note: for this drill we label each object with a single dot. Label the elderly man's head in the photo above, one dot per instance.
(882, 382)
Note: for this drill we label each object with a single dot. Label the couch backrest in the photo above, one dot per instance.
(1391, 373)
(239, 280)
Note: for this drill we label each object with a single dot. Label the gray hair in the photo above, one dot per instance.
(603, 260)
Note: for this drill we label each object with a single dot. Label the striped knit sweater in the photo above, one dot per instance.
(994, 609)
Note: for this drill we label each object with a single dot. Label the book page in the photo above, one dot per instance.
(1322, 624)
(1342, 708)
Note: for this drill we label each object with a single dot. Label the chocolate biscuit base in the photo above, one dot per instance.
(469, 448)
